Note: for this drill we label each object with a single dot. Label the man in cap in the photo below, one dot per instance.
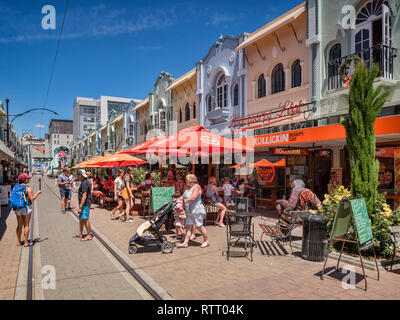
(65, 183)
(85, 199)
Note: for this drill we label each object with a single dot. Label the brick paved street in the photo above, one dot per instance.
(84, 272)
(196, 273)
(9, 254)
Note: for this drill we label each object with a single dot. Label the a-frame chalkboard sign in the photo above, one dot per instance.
(352, 212)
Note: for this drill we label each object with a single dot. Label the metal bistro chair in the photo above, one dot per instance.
(395, 235)
(239, 227)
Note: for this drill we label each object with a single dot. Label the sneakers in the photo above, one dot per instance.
(63, 211)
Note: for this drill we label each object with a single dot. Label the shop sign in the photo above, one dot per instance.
(290, 152)
(5, 192)
(266, 174)
(287, 111)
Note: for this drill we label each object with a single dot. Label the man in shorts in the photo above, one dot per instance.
(84, 198)
(66, 185)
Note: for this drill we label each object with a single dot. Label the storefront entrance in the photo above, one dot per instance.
(321, 164)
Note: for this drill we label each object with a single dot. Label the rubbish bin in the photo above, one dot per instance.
(314, 234)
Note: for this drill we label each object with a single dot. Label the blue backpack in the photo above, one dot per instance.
(18, 198)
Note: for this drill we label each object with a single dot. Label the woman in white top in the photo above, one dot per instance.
(119, 184)
(195, 211)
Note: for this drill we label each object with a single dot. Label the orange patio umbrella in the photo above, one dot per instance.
(261, 163)
(280, 163)
(119, 160)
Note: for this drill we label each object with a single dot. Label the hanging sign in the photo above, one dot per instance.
(266, 174)
(287, 111)
(290, 152)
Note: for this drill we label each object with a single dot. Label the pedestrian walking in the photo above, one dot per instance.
(127, 194)
(119, 184)
(66, 185)
(84, 198)
(195, 211)
(21, 200)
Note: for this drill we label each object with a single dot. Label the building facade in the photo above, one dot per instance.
(373, 34)
(160, 103)
(222, 84)
(184, 101)
(90, 114)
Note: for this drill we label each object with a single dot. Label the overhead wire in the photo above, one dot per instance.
(54, 63)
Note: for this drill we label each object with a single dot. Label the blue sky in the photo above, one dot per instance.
(114, 48)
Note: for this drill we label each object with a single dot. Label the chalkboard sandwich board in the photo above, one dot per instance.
(362, 223)
(160, 197)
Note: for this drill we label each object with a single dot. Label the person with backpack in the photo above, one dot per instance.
(21, 200)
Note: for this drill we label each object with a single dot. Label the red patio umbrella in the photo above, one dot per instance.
(119, 160)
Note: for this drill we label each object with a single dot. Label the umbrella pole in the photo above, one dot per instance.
(193, 163)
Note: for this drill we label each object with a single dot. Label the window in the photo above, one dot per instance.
(334, 60)
(187, 112)
(180, 115)
(194, 111)
(296, 74)
(209, 103)
(222, 87)
(235, 95)
(262, 87)
(130, 131)
(278, 79)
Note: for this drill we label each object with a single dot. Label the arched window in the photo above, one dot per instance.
(334, 60)
(187, 112)
(278, 79)
(336, 52)
(194, 111)
(222, 88)
(180, 115)
(262, 86)
(235, 95)
(209, 103)
(296, 74)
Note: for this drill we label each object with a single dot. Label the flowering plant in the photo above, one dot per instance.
(382, 220)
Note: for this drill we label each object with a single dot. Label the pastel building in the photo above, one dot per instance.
(184, 101)
(222, 84)
(160, 102)
(142, 112)
(337, 31)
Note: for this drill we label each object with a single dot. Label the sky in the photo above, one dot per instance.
(110, 48)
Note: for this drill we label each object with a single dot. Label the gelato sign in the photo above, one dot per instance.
(286, 111)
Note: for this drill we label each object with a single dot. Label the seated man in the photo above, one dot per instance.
(251, 189)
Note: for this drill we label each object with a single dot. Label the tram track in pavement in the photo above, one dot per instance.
(126, 266)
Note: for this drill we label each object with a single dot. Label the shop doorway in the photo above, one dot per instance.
(322, 164)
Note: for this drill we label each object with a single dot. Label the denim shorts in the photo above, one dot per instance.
(196, 218)
(66, 194)
(85, 213)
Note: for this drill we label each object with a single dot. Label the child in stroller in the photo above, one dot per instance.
(152, 227)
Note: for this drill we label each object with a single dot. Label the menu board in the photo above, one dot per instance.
(160, 197)
(342, 220)
(361, 220)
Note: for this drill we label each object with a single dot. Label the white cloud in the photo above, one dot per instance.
(219, 18)
(98, 21)
(40, 126)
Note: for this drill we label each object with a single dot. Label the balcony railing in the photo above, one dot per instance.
(381, 55)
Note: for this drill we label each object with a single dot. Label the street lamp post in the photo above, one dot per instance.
(8, 127)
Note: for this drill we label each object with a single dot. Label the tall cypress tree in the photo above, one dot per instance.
(365, 104)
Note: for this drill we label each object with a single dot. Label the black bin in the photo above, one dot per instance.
(314, 234)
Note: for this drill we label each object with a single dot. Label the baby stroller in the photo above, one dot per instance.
(153, 226)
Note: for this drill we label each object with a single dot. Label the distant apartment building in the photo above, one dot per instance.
(90, 114)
